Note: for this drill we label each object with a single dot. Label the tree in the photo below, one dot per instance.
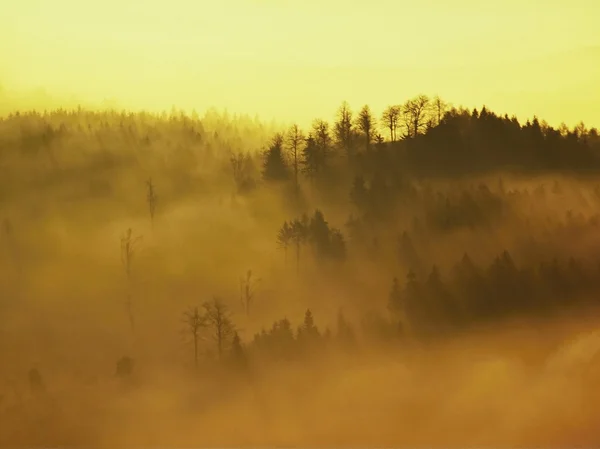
(295, 139)
(439, 107)
(337, 244)
(317, 150)
(300, 234)
(319, 233)
(152, 199)
(343, 131)
(218, 319)
(279, 341)
(241, 167)
(308, 332)
(194, 323)
(390, 118)
(274, 165)
(359, 194)
(415, 115)
(322, 138)
(238, 354)
(129, 246)
(366, 125)
(311, 158)
(285, 237)
(247, 290)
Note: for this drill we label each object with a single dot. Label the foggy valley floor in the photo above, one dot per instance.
(213, 281)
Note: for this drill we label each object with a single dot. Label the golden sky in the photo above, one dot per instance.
(295, 60)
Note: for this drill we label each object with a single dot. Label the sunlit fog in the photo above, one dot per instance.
(315, 224)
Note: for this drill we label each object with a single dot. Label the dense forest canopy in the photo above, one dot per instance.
(207, 257)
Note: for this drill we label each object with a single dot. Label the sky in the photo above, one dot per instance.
(299, 60)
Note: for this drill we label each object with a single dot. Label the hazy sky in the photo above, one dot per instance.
(300, 59)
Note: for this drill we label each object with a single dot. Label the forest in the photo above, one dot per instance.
(429, 271)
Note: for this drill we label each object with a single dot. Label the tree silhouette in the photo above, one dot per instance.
(274, 166)
(300, 233)
(312, 160)
(390, 119)
(366, 124)
(194, 323)
(241, 165)
(152, 199)
(248, 290)
(415, 115)
(285, 236)
(238, 354)
(295, 140)
(308, 333)
(218, 319)
(343, 129)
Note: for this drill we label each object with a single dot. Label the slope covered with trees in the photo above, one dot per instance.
(248, 248)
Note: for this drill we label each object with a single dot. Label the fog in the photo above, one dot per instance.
(440, 303)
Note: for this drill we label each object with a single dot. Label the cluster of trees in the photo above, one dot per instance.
(424, 136)
(316, 152)
(426, 304)
(327, 242)
(384, 166)
(421, 136)
(214, 322)
(99, 152)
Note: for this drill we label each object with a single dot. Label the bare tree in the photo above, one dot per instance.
(439, 107)
(366, 124)
(218, 319)
(129, 245)
(389, 119)
(343, 128)
(152, 199)
(194, 323)
(247, 290)
(295, 139)
(415, 115)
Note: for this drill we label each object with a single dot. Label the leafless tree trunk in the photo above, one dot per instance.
(194, 323)
(247, 290)
(389, 119)
(218, 318)
(295, 138)
(415, 114)
(152, 199)
(440, 107)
